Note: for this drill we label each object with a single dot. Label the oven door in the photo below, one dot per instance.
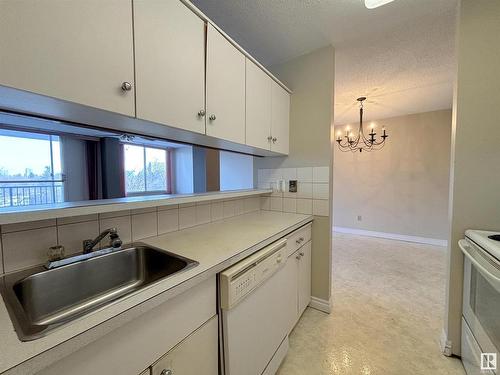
(481, 304)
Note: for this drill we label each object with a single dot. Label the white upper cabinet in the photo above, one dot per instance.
(170, 64)
(80, 51)
(258, 106)
(225, 89)
(280, 123)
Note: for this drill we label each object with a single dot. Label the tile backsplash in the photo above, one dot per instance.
(313, 190)
(25, 245)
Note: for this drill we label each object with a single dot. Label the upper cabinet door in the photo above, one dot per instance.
(80, 51)
(170, 64)
(258, 106)
(225, 89)
(280, 126)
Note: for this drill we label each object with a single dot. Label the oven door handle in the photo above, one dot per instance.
(488, 267)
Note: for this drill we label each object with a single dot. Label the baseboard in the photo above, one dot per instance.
(392, 236)
(445, 344)
(320, 304)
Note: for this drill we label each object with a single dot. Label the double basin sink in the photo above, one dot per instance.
(39, 300)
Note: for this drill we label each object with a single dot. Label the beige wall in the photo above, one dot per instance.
(475, 178)
(311, 77)
(403, 188)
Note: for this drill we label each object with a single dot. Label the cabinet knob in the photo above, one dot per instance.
(275, 139)
(297, 257)
(201, 113)
(301, 254)
(212, 118)
(166, 371)
(269, 139)
(297, 242)
(126, 86)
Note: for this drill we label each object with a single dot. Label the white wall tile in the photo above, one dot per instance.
(321, 174)
(122, 224)
(289, 174)
(265, 203)
(144, 225)
(276, 204)
(27, 248)
(7, 228)
(187, 217)
(71, 236)
(142, 210)
(169, 207)
(321, 191)
(321, 207)
(239, 207)
(203, 213)
(289, 205)
(168, 221)
(264, 176)
(217, 210)
(305, 174)
(304, 190)
(109, 215)
(229, 209)
(77, 219)
(251, 204)
(304, 206)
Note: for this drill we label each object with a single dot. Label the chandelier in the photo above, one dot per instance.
(350, 142)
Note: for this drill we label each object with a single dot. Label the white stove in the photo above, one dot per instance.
(481, 302)
(488, 241)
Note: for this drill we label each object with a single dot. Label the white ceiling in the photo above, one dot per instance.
(400, 55)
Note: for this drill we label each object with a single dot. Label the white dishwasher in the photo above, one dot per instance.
(255, 308)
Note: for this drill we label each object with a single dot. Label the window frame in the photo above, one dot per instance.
(168, 172)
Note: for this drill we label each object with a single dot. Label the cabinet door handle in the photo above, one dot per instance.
(297, 257)
(166, 371)
(297, 242)
(212, 118)
(269, 139)
(201, 113)
(275, 139)
(301, 254)
(126, 86)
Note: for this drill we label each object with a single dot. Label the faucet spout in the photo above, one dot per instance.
(114, 240)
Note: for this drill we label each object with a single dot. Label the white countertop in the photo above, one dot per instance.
(21, 214)
(215, 246)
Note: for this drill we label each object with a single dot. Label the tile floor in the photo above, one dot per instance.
(388, 300)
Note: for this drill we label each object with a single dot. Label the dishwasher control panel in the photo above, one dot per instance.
(241, 279)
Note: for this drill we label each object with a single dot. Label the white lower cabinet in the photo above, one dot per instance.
(173, 327)
(298, 273)
(196, 354)
(304, 285)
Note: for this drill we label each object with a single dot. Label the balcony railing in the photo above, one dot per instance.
(30, 193)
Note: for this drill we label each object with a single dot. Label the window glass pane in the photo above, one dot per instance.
(156, 169)
(56, 157)
(26, 175)
(134, 169)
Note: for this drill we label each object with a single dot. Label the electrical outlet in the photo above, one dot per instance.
(360, 218)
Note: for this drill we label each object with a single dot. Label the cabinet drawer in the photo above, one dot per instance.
(297, 239)
(196, 354)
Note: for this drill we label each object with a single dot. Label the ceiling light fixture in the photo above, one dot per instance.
(372, 4)
(360, 142)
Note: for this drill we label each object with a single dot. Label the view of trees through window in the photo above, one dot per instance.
(30, 169)
(145, 170)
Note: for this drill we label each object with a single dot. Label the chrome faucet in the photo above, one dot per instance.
(114, 240)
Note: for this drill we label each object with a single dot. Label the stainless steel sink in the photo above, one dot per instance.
(39, 300)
